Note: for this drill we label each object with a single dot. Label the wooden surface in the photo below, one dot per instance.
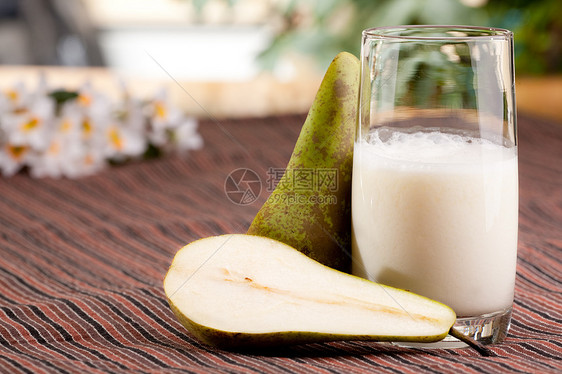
(258, 97)
(82, 263)
(265, 95)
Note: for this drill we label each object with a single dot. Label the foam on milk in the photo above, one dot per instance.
(423, 148)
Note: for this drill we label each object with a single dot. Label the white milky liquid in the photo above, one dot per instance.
(437, 214)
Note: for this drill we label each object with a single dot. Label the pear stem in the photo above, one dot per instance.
(471, 343)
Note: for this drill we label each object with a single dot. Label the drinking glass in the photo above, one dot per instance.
(435, 180)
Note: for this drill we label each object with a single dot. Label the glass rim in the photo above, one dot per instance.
(489, 33)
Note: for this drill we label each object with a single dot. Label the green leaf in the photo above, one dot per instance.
(62, 96)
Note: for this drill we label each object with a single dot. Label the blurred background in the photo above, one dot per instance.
(252, 57)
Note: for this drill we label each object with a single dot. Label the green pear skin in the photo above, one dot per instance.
(313, 214)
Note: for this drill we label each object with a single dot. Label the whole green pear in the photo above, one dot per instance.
(310, 208)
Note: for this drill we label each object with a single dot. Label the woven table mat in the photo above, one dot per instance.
(82, 263)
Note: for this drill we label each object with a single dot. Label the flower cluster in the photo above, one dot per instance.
(58, 133)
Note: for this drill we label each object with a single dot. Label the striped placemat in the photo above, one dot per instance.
(82, 263)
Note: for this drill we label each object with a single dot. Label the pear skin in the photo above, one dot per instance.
(310, 208)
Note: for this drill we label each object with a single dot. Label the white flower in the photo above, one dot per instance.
(93, 103)
(69, 122)
(186, 135)
(123, 142)
(66, 158)
(51, 162)
(30, 126)
(132, 116)
(162, 111)
(14, 98)
(65, 146)
(85, 162)
(127, 136)
(131, 111)
(163, 117)
(95, 109)
(78, 136)
(12, 159)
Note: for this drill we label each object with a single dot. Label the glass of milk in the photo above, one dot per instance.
(435, 181)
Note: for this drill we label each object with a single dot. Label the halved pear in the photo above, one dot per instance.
(244, 291)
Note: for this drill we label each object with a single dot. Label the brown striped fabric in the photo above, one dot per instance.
(82, 263)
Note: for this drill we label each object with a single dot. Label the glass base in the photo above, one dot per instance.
(486, 329)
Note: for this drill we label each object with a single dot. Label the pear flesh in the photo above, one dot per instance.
(310, 208)
(244, 291)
